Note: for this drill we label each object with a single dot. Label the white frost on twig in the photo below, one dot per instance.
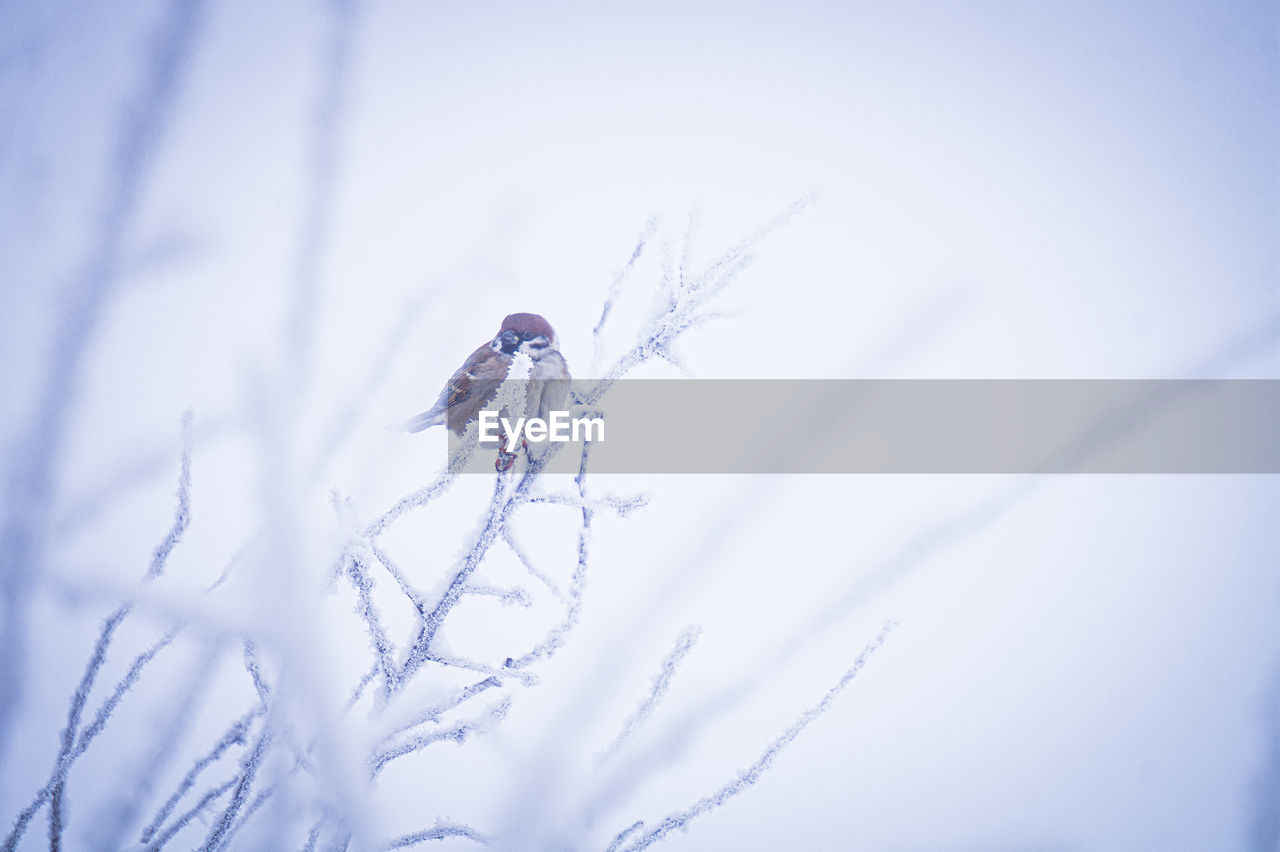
(658, 689)
(749, 776)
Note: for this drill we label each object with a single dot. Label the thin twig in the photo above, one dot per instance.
(749, 776)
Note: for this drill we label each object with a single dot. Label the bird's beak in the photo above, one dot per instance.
(508, 341)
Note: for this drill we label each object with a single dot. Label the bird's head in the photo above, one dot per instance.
(527, 333)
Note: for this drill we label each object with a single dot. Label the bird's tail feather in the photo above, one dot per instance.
(425, 420)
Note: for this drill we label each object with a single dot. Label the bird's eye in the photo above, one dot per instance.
(528, 335)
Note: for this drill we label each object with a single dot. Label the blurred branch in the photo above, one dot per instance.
(28, 515)
(321, 180)
(1264, 814)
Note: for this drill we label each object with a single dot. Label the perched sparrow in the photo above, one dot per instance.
(476, 381)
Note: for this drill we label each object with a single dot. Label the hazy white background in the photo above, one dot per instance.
(1066, 190)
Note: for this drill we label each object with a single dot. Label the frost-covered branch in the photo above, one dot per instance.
(408, 503)
(68, 750)
(160, 749)
(516, 596)
(749, 776)
(202, 804)
(249, 766)
(500, 507)
(414, 596)
(615, 287)
(78, 701)
(182, 516)
(399, 723)
(457, 733)
(105, 637)
(451, 661)
(86, 736)
(556, 637)
(383, 650)
(125, 684)
(433, 713)
(622, 836)
(439, 831)
(685, 301)
(235, 735)
(661, 683)
(541, 576)
(621, 506)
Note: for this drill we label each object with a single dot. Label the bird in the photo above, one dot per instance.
(476, 381)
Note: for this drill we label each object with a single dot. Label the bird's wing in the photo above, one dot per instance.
(469, 389)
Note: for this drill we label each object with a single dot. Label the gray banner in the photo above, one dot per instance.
(942, 426)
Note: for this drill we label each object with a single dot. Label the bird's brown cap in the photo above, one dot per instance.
(528, 324)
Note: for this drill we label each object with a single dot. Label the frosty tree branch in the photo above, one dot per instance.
(661, 683)
(753, 773)
(267, 732)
